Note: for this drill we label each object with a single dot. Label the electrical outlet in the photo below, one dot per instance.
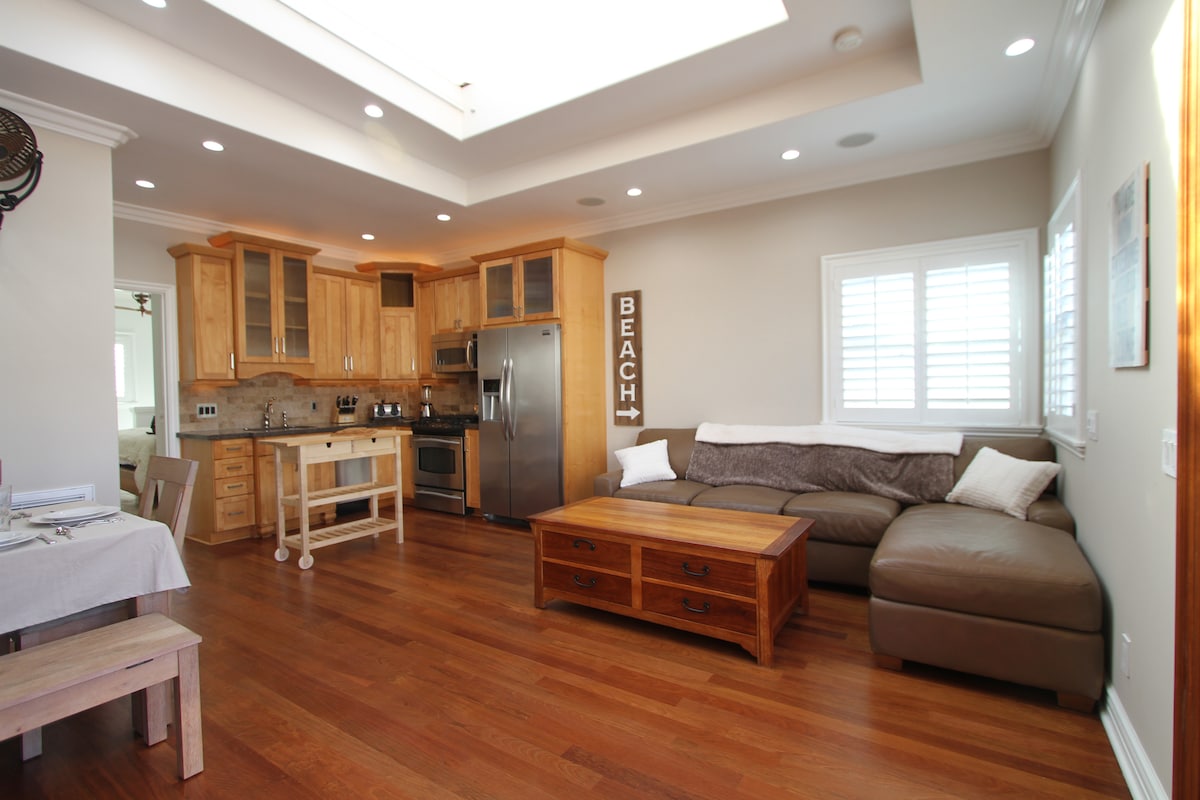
(1093, 425)
(314, 405)
(1123, 656)
(206, 410)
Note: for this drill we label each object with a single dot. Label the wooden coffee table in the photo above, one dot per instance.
(732, 575)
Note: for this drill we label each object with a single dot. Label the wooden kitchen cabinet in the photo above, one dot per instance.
(471, 461)
(456, 303)
(272, 310)
(346, 326)
(322, 477)
(537, 281)
(204, 281)
(399, 342)
(223, 495)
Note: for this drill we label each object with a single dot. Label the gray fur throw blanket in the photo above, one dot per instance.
(746, 455)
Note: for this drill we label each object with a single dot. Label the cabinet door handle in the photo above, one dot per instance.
(351, 363)
(703, 573)
(704, 609)
(283, 345)
(588, 585)
(231, 361)
(581, 542)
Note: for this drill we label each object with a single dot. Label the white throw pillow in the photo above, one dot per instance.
(1002, 483)
(644, 463)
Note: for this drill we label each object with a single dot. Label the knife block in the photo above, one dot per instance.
(344, 415)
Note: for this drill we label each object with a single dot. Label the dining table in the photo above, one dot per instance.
(47, 574)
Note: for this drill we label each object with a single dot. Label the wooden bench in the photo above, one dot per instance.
(54, 680)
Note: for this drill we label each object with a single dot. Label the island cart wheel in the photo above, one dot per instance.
(281, 554)
(305, 561)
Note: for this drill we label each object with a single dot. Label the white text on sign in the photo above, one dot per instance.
(627, 358)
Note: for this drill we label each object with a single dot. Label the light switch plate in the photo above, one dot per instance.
(206, 410)
(1093, 425)
(1170, 451)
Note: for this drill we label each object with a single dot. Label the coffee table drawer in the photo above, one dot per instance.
(713, 574)
(587, 583)
(592, 550)
(700, 608)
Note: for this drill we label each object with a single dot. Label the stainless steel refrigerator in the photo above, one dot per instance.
(520, 420)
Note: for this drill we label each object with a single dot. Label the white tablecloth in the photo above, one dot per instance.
(104, 563)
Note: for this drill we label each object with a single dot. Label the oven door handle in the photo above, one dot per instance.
(447, 495)
(420, 439)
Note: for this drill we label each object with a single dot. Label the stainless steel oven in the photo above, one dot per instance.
(439, 471)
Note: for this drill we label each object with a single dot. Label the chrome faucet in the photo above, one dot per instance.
(270, 406)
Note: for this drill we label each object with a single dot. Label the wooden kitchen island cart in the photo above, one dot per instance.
(306, 449)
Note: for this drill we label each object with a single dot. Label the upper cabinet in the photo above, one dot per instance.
(397, 299)
(204, 281)
(272, 309)
(345, 313)
(532, 282)
(456, 303)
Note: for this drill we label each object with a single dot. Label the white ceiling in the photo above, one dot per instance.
(303, 162)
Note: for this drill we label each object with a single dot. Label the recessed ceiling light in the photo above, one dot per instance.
(370, 237)
(634, 192)
(145, 184)
(156, 3)
(856, 139)
(373, 110)
(1019, 47)
(590, 201)
(847, 39)
(213, 145)
(443, 217)
(790, 155)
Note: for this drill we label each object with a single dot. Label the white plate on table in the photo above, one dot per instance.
(66, 516)
(10, 538)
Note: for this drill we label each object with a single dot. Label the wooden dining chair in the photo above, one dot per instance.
(175, 479)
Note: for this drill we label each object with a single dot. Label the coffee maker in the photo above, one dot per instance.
(426, 401)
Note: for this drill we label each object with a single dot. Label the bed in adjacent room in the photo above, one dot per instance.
(134, 448)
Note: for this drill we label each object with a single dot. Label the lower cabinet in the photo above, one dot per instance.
(223, 497)
(321, 476)
(471, 460)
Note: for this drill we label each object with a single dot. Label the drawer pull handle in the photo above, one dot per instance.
(703, 573)
(589, 584)
(704, 609)
(581, 542)
(235, 468)
(235, 486)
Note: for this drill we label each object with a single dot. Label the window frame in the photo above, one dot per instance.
(1022, 251)
(1068, 432)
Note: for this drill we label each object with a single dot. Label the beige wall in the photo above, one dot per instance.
(1125, 110)
(731, 301)
(58, 405)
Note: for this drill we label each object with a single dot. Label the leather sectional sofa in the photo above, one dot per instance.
(951, 585)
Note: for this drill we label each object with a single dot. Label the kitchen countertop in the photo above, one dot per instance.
(291, 430)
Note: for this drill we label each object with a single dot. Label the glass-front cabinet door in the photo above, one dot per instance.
(520, 289)
(271, 309)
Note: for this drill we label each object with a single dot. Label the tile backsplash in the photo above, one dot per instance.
(242, 406)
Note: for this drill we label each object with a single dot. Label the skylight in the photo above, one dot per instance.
(496, 62)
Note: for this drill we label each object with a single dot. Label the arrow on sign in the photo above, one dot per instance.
(632, 413)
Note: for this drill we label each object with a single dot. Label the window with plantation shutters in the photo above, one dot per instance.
(1062, 313)
(936, 334)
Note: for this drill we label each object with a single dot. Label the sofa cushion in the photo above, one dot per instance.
(680, 442)
(844, 517)
(984, 562)
(1030, 448)
(762, 499)
(679, 492)
(644, 463)
(1002, 483)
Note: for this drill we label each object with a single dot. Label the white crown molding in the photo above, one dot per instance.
(63, 120)
(1068, 51)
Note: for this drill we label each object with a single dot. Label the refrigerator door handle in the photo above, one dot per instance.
(510, 416)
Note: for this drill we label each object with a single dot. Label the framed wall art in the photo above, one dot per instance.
(1128, 272)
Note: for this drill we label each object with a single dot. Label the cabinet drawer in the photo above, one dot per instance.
(583, 582)
(585, 550)
(699, 607)
(233, 468)
(368, 446)
(232, 448)
(234, 512)
(700, 571)
(233, 487)
(324, 450)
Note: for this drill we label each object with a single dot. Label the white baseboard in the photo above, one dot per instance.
(1135, 765)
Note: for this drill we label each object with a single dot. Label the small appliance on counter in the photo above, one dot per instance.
(386, 410)
(426, 402)
(345, 410)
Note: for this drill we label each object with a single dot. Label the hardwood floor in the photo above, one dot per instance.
(423, 670)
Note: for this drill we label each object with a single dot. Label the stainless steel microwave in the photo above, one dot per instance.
(455, 352)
